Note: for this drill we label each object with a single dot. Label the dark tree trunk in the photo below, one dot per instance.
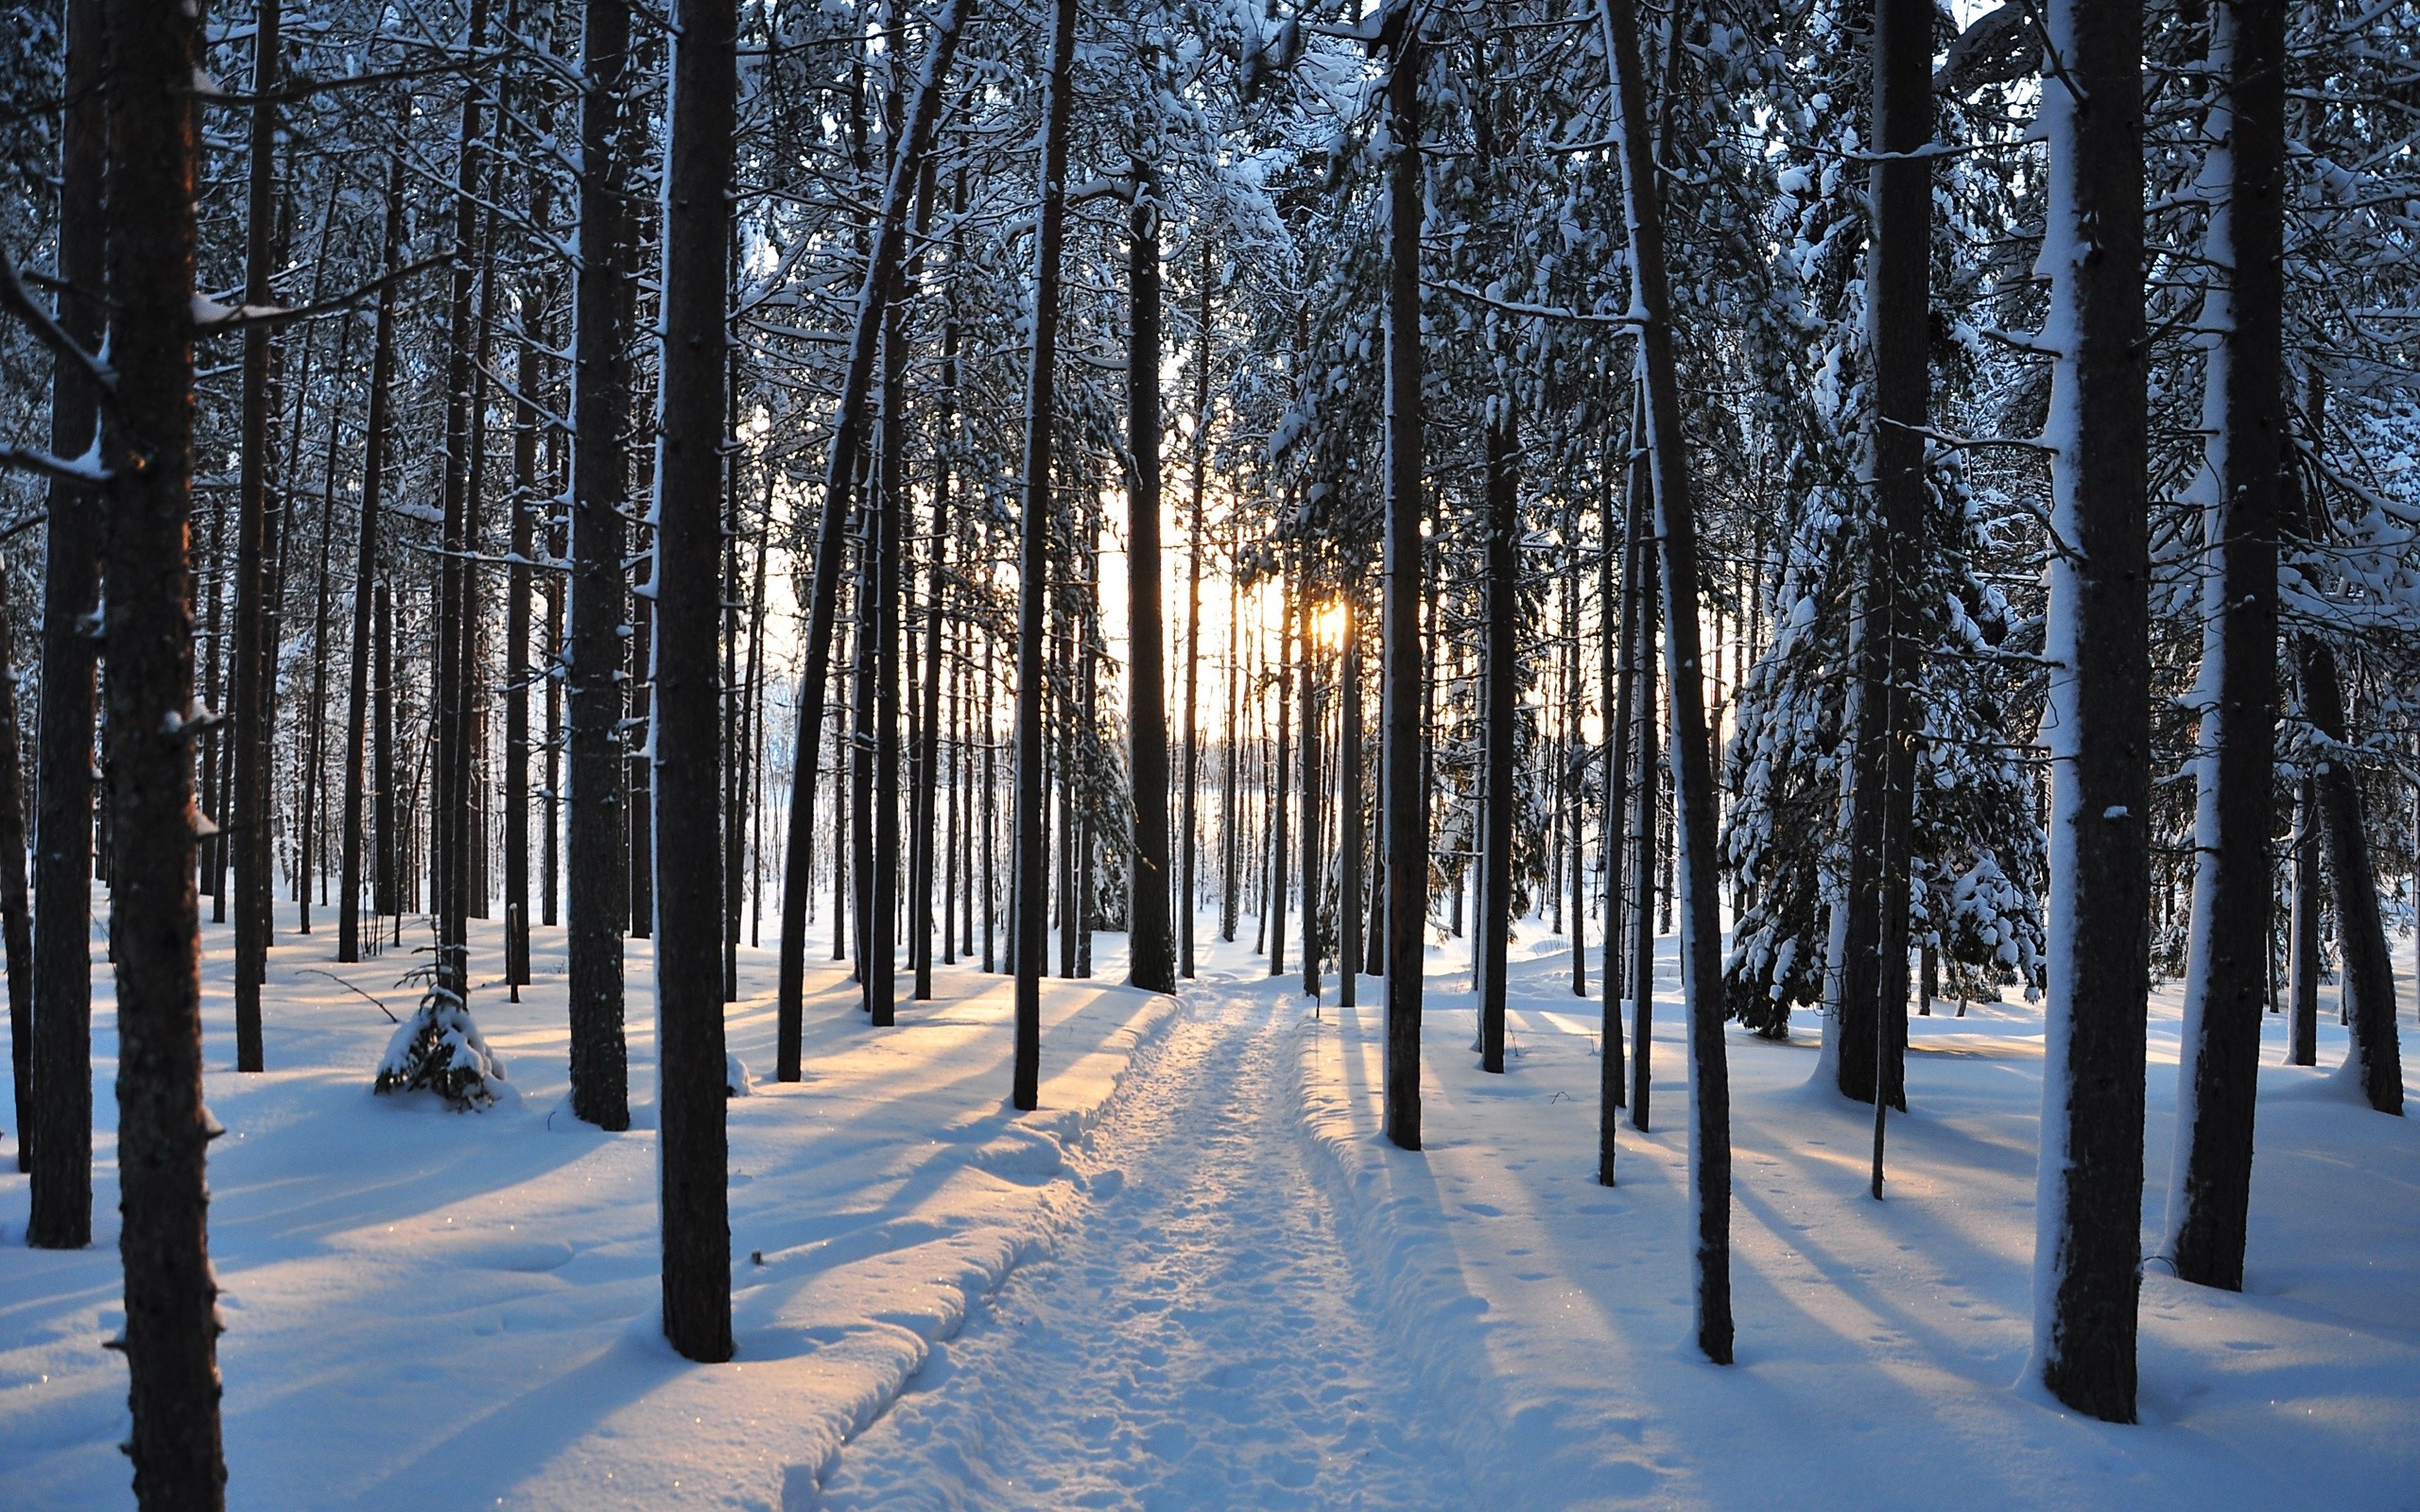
(1646, 800)
(1348, 736)
(2375, 1058)
(1231, 787)
(906, 170)
(878, 922)
(1613, 659)
(1691, 743)
(1500, 695)
(2302, 949)
(929, 728)
(638, 774)
(2227, 969)
(1153, 955)
(1029, 867)
(255, 531)
(1188, 882)
(16, 925)
(1405, 834)
(601, 467)
(1571, 763)
(1871, 965)
(688, 786)
(61, 1121)
(2087, 1252)
(385, 897)
(171, 1332)
(373, 474)
(1307, 782)
(516, 623)
(1278, 773)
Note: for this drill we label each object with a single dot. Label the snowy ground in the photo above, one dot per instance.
(1198, 1279)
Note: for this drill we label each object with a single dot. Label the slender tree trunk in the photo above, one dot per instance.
(1230, 794)
(688, 786)
(1029, 866)
(831, 532)
(594, 677)
(1406, 800)
(1348, 719)
(1501, 683)
(928, 730)
(879, 921)
(2227, 953)
(385, 897)
(60, 1120)
(1613, 660)
(2302, 960)
(16, 921)
(1151, 954)
(170, 1340)
(2375, 1060)
(1309, 780)
(516, 623)
(1691, 742)
(1188, 891)
(2087, 1248)
(254, 650)
(1570, 761)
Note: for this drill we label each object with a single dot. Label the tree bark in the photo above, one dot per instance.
(831, 531)
(365, 573)
(2227, 952)
(254, 649)
(1308, 782)
(1030, 864)
(2301, 958)
(687, 785)
(1501, 683)
(1348, 840)
(2375, 1058)
(1406, 800)
(1151, 963)
(1691, 742)
(60, 1120)
(2087, 1249)
(171, 1332)
(16, 923)
(1278, 774)
(1187, 888)
(594, 677)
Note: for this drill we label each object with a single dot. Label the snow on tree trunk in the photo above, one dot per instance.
(2097, 726)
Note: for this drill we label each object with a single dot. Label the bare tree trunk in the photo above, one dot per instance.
(1151, 963)
(928, 731)
(601, 467)
(60, 1119)
(2302, 960)
(2087, 1248)
(1691, 742)
(1501, 683)
(2375, 1060)
(1029, 867)
(1187, 883)
(831, 532)
(1230, 794)
(2227, 954)
(1308, 782)
(688, 786)
(1348, 688)
(1405, 798)
(1278, 773)
(171, 1332)
(254, 649)
(16, 923)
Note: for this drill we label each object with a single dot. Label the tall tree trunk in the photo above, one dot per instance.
(374, 473)
(2087, 1248)
(314, 769)
(1500, 697)
(1188, 893)
(16, 923)
(1151, 955)
(1308, 782)
(1030, 864)
(1620, 686)
(2301, 958)
(2227, 952)
(600, 484)
(879, 921)
(1231, 787)
(906, 170)
(1278, 774)
(688, 786)
(1571, 760)
(928, 729)
(1691, 743)
(254, 650)
(60, 1120)
(1868, 961)
(1405, 834)
(1348, 719)
(171, 1330)
(516, 638)
(2374, 1059)
(387, 898)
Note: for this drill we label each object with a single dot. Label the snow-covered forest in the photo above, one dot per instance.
(1209, 753)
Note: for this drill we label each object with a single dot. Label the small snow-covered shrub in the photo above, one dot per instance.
(440, 1049)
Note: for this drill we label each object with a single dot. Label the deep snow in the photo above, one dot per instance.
(1197, 1278)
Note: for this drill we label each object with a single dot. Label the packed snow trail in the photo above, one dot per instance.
(1198, 1339)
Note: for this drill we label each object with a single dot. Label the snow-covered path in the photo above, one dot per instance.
(1198, 1339)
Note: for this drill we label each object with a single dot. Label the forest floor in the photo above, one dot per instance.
(1197, 1278)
